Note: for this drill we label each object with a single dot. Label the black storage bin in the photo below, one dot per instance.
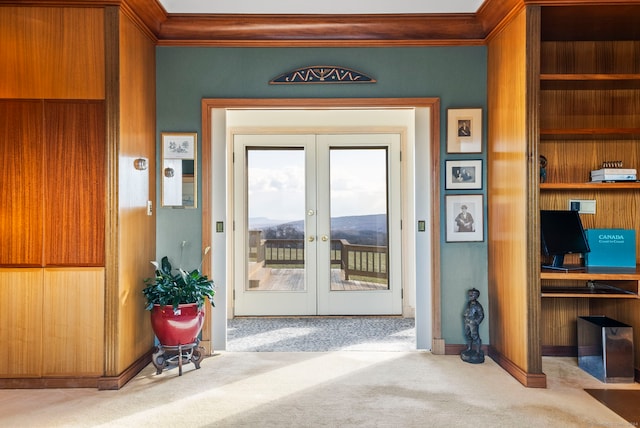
(605, 349)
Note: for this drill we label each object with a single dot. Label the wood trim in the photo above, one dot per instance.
(532, 55)
(305, 30)
(341, 30)
(112, 127)
(101, 383)
(433, 103)
(436, 295)
(529, 380)
(205, 206)
(151, 13)
(493, 12)
(49, 382)
(117, 382)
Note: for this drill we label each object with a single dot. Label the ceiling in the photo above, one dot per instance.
(320, 7)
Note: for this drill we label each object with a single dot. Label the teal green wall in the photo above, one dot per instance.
(456, 75)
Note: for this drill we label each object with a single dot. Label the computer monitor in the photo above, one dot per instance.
(562, 233)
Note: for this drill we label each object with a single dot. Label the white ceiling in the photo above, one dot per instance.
(320, 7)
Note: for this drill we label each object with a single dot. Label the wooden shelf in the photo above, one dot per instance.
(591, 186)
(589, 81)
(594, 288)
(590, 133)
(594, 273)
(585, 292)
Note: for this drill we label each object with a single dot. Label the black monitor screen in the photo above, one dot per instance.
(562, 233)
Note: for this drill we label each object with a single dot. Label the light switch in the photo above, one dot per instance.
(583, 206)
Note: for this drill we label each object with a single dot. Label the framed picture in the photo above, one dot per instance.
(179, 145)
(464, 130)
(465, 219)
(463, 174)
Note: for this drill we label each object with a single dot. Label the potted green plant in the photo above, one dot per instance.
(176, 299)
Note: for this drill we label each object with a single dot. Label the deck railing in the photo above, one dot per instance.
(354, 259)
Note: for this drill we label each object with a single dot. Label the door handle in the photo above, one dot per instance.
(312, 238)
(325, 238)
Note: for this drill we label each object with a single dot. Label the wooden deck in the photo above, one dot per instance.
(293, 280)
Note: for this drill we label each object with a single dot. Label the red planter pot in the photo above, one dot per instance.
(177, 328)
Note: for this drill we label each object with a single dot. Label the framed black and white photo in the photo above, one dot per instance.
(464, 130)
(465, 219)
(179, 145)
(463, 174)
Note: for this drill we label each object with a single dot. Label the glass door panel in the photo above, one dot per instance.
(359, 229)
(276, 217)
(358, 224)
(274, 179)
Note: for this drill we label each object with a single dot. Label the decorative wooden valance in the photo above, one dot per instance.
(322, 74)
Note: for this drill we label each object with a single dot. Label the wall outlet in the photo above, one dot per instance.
(583, 206)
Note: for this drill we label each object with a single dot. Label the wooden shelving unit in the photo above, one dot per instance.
(589, 105)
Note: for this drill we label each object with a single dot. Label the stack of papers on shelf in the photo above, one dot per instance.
(614, 174)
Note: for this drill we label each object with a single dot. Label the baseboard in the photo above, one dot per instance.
(117, 382)
(49, 382)
(530, 380)
(559, 351)
(456, 349)
(102, 383)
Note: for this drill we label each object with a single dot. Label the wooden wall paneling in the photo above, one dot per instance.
(21, 315)
(513, 327)
(75, 181)
(571, 161)
(590, 109)
(559, 320)
(73, 314)
(21, 183)
(137, 245)
(54, 52)
(580, 57)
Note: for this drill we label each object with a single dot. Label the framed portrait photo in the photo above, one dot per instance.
(463, 174)
(464, 130)
(465, 218)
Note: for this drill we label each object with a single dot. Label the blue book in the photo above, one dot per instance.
(611, 247)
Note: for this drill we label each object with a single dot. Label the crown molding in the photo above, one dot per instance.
(355, 30)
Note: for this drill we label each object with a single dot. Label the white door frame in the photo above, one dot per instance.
(422, 179)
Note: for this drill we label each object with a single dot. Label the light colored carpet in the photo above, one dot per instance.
(323, 389)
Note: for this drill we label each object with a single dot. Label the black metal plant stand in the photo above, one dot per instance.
(165, 356)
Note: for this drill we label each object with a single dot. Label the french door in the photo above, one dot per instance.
(317, 224)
